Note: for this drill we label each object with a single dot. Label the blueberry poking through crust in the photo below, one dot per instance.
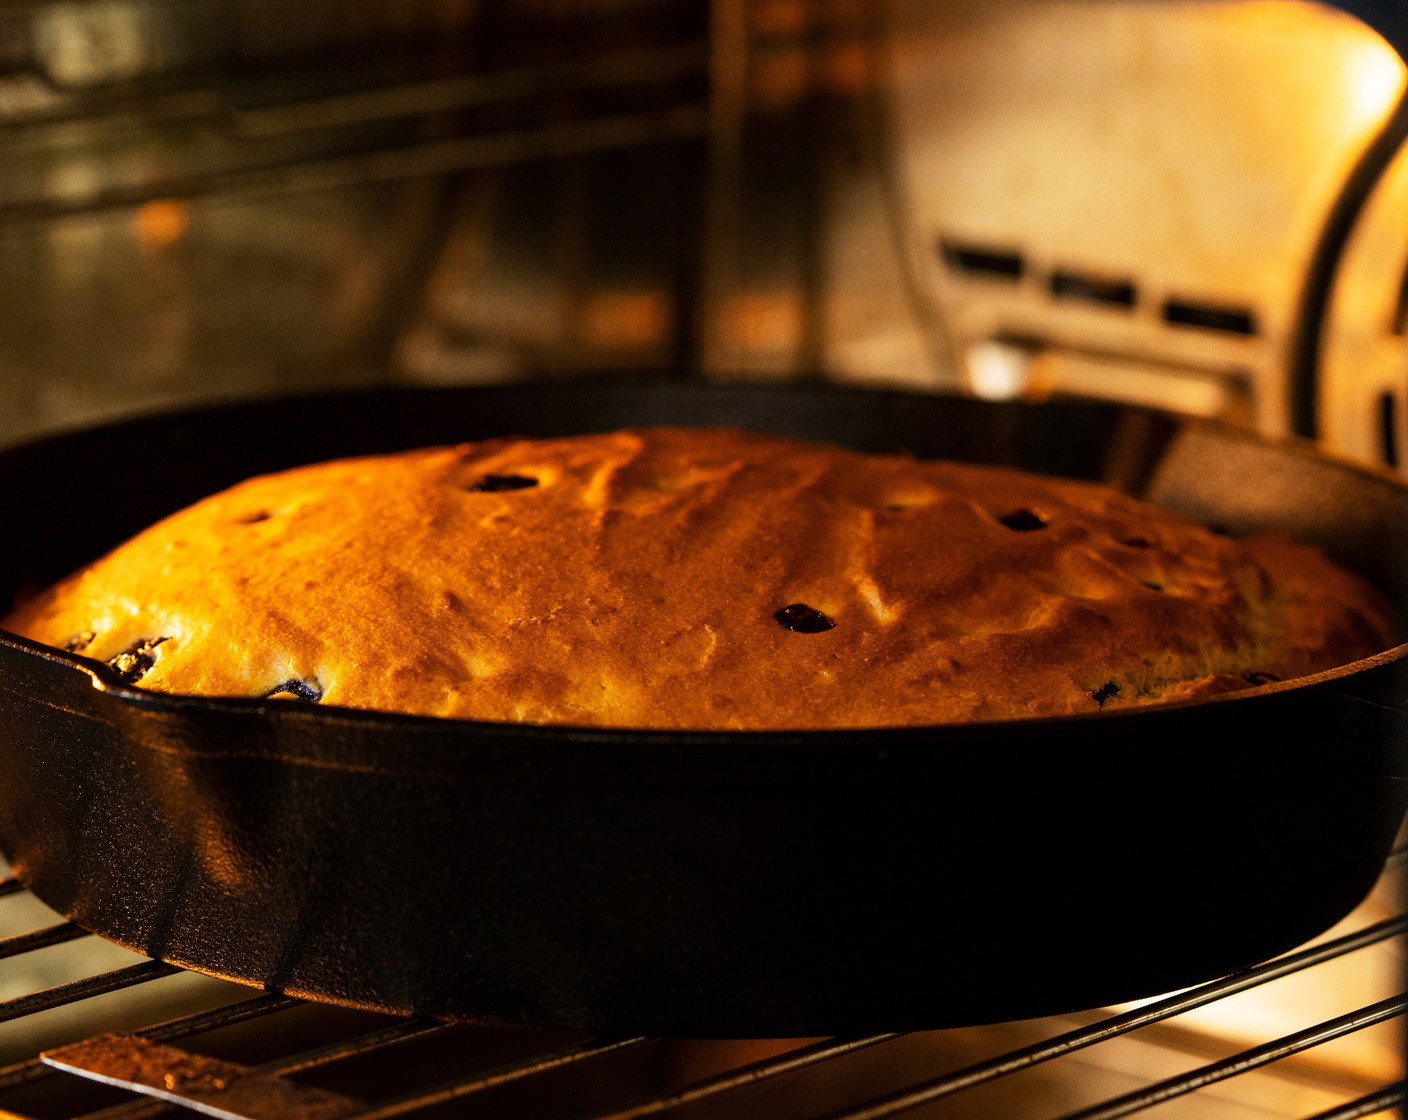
(1259, 678)
(804, 619)
(136, 661)
(1105, 691)
(1151, 584)
(1023, 520)
(79, 642)
(493, 483)
(297, 690)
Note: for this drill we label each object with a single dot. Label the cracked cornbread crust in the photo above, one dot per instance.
(700, 579)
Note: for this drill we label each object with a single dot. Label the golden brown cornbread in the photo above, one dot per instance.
(675, 578)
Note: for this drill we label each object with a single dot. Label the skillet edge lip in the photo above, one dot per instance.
(106, 681)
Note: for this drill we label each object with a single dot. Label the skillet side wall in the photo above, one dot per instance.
(778, 887)
(689, 885)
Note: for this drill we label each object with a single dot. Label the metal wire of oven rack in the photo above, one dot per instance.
(231, 152)
(304, 1061)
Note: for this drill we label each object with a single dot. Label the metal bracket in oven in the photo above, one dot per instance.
(206, 1085)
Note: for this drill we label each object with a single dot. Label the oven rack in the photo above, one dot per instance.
(266, 1056)
(76, 153)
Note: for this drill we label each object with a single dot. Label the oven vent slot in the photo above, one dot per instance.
(1388, 427)
(996, 262)
(983, 260)
(1226, 318)
(1107, 290)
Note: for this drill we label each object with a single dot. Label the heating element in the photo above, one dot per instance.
(135, 1038)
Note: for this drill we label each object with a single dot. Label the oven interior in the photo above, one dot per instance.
(1200, 206)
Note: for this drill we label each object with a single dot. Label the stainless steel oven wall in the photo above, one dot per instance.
(1123, 199)
(235, 197)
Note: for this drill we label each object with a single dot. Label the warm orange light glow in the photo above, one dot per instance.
(848, 68)
(766, 322)
(162, 222)
(1366, 69)
(1375, 75)
(626, 319)
(779, 17)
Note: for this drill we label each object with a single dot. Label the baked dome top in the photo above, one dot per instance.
(700, 579)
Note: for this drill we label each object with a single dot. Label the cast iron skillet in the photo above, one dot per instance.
(697, 884)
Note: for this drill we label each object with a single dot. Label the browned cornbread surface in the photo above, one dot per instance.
(635, 579)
